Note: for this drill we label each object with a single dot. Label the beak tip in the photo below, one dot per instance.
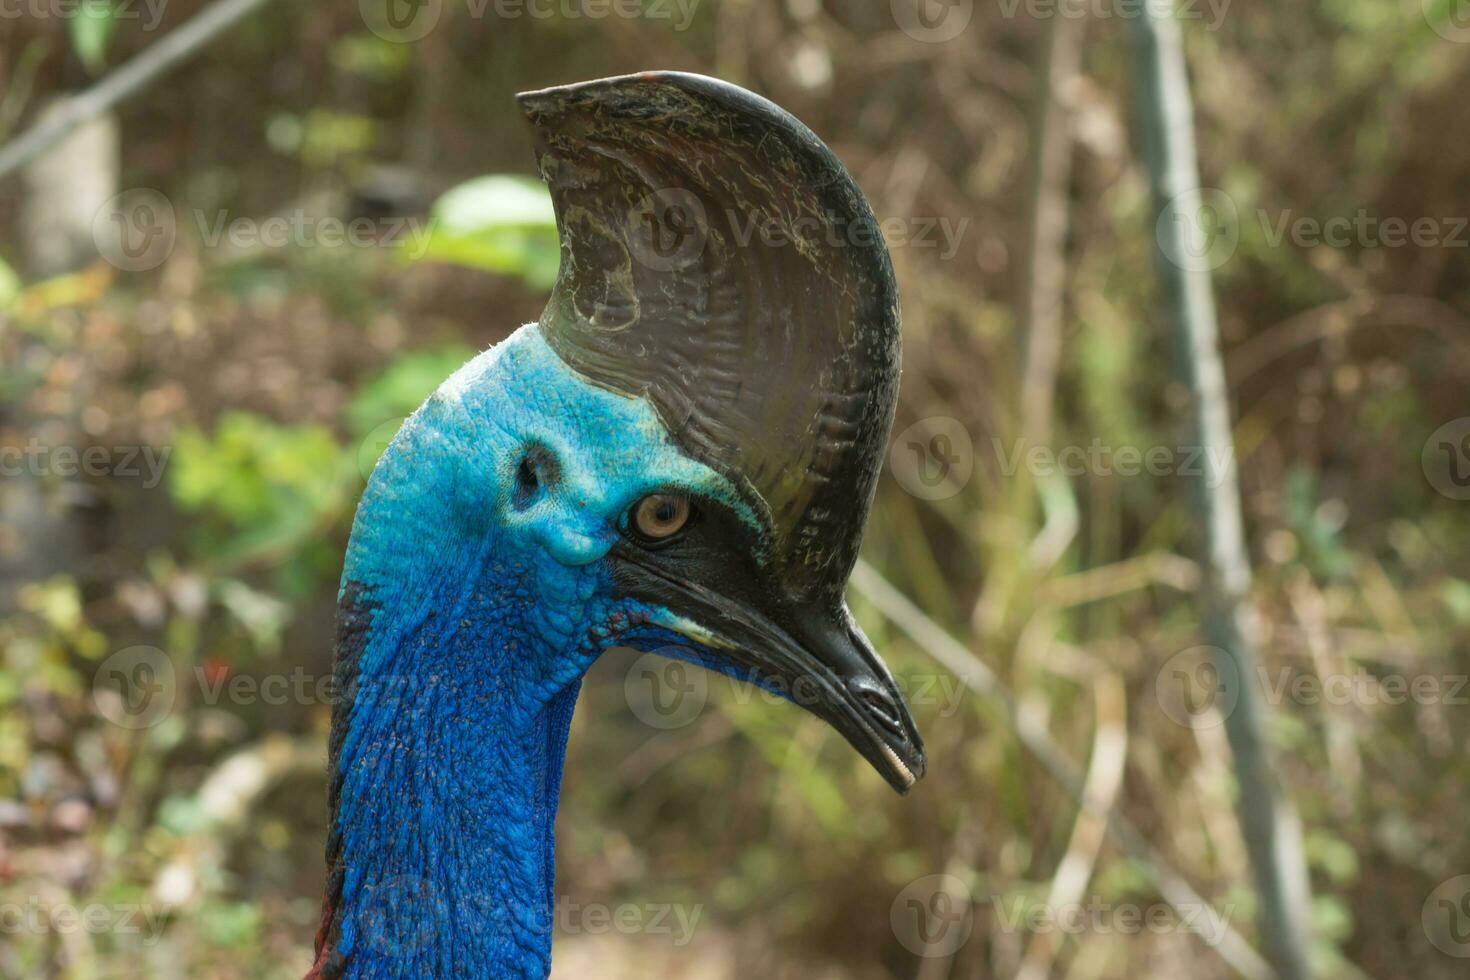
(903, 771)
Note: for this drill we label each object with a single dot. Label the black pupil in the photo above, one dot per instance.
(666, 511)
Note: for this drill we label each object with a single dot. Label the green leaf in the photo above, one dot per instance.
(403, 386)
(231, 925)
(501, 223)
(91, 29)
(267, 487)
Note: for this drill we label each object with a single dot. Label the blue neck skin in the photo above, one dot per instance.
(452, 780)
(488, 603)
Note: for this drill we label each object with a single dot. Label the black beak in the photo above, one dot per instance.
(814, 655)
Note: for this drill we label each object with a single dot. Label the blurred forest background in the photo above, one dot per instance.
(235, 379)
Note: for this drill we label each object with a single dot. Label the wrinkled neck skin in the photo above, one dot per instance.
(469, 612)
(451, 775)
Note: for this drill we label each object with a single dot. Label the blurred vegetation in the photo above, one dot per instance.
(273, 377)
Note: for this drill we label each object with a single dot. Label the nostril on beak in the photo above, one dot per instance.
(882, 708)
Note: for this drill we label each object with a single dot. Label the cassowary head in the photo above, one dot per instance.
(720, 264)
(679, 457)
(692, 433)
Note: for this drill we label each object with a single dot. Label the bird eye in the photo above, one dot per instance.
(659, 516)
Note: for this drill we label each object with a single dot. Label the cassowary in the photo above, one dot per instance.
(679, 457)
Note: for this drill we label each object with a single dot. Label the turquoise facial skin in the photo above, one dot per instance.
(477, 571)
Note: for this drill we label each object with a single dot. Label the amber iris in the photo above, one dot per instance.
(661, 515)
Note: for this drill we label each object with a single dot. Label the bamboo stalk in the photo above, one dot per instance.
(1268, 822)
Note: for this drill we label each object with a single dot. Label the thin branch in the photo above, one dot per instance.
(1104, 781)
(1045, 267)
(936, 641)
(175, 48)
(1268, 822)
